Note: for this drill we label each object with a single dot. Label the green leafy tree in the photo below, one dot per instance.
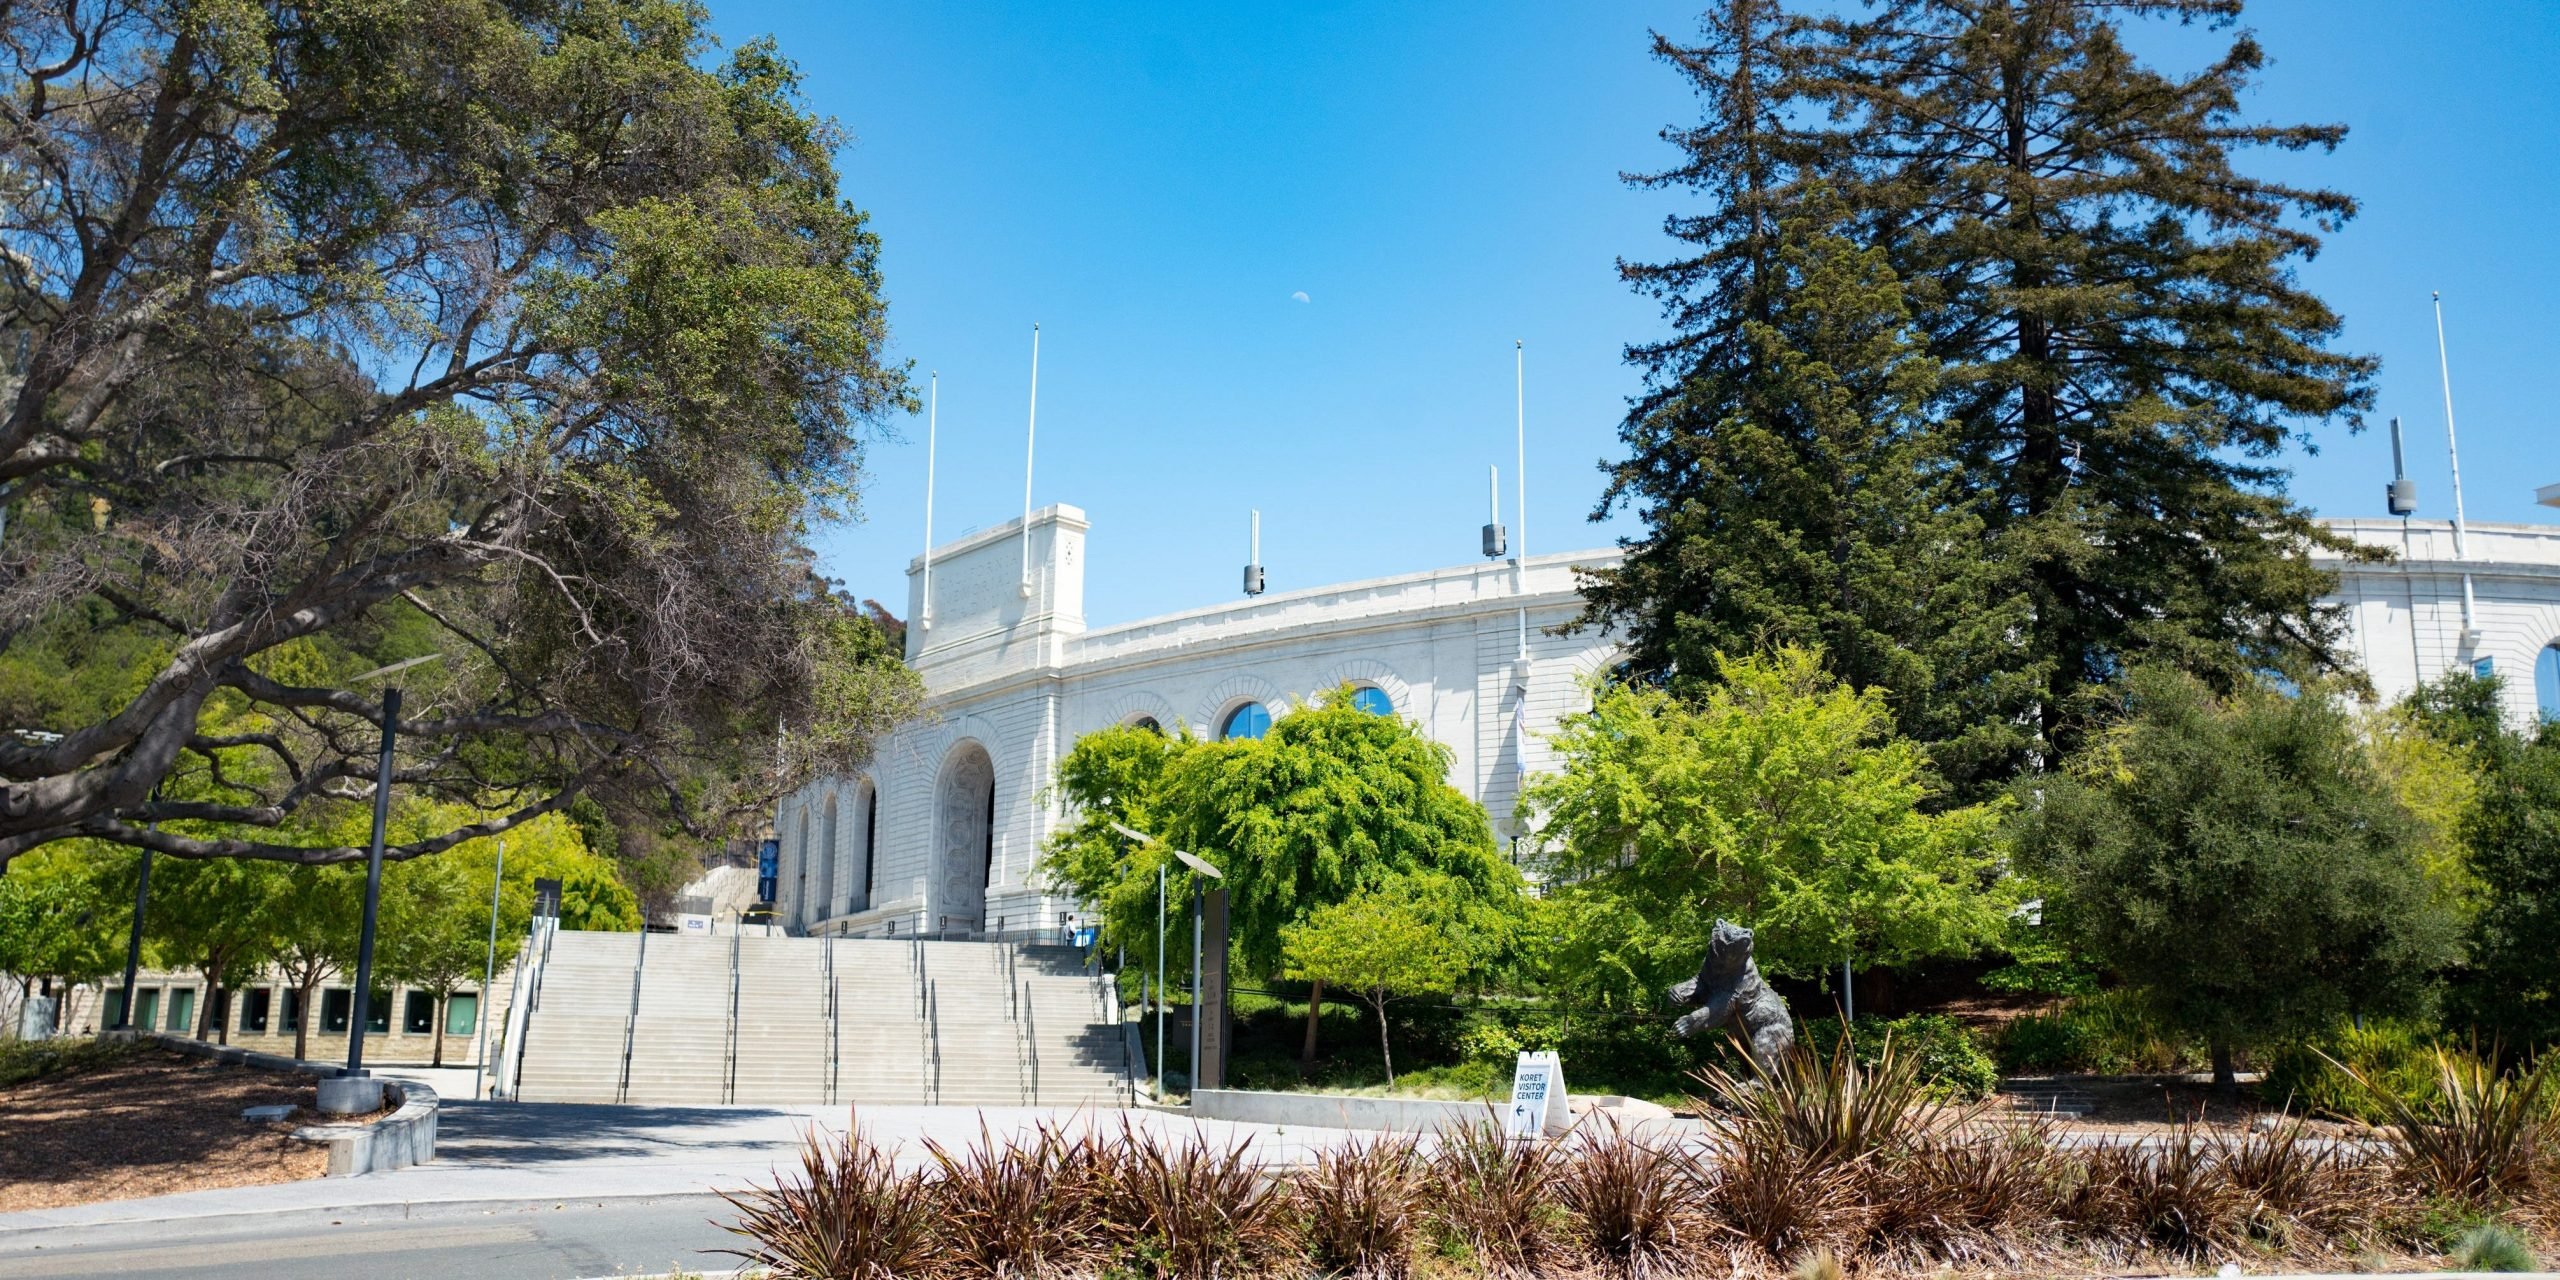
(436, 931)
(2510, 837)
(219, 917)
(1331, 800)
(319, 919)
(1783, 800)
(63, 919)
(1390, 940)
(2122, 344)
(534, 336)
(2243, 863)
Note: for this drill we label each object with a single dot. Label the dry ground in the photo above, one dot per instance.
(157, 1123)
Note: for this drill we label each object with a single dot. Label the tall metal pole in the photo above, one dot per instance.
(373, 885)
(1160, 988)
(133, 943)
(1195, 983)
(1520, 465)
(932, 423)
(2453, 454)
(1030, 441)
(488, 971)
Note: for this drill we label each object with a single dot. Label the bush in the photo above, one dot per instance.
(2107, 1034)
(2398, 1056)
(2493, 1246)
(1951, 1067)
(24, 1060)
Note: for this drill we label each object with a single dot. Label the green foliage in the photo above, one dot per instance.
(2510, 839)
(2112, 345)
(1332, 800)
(2240, 862)
(65, 913)
(2492, 1246)
(2325, 1075)
(1950, 1065)
(1401, 937)
(1782, 800)
(535, 337)
(2108, 1033)
(25, 1060)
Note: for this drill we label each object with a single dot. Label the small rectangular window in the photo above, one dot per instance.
(418, 1014)
(254, 1004)
(113, 1009)
(337, 1004)
(292, 1014)
(146, 1005)
(377, 1014)
(2484, 667)
(182, 1009)
(461, 1013)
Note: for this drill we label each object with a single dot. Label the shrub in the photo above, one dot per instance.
(2396, 1055)
(1192, 1209)
(2482, 1137)
(1632, 1200)
(848, 1215)
(1488, 1041)
(1951, 1066)
(1825, 1106)
(1004, 1210)
(1362, 1206)
(2493, 1246)
(25, 1060)
(1495, 1197)
(1960, 1193)
(2109, 1033)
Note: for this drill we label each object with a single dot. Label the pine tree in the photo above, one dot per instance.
(2122, 347)
(1799, 493)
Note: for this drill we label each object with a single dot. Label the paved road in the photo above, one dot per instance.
(518, 1243)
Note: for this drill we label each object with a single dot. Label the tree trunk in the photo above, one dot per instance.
(206, 1018)
(1385, 1054)
(302, 1021)
(439, 1016)
(1315, 1007)
(2226, 1082)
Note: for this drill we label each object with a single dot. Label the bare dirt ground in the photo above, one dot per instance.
(157, 1123)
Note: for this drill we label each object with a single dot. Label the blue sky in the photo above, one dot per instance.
(1153, 182)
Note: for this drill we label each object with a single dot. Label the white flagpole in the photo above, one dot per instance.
(2453, 452)
(1030, 441)
(1520, 465)
(932, 420)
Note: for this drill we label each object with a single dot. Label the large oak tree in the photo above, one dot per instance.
(528, 334)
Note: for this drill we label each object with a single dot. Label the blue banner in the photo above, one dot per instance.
(768, 870)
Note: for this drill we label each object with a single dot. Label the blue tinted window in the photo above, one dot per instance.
(1374, 700)
(2546, 681)
(1251, 720)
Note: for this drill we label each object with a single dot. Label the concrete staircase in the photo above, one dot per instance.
(776, 1020)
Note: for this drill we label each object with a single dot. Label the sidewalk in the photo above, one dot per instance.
(491, 1154)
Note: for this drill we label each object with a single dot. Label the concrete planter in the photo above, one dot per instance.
(407, 1136)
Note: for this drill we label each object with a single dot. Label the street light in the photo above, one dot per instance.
(1143, 838)
(354, 1098)
(1199, 971)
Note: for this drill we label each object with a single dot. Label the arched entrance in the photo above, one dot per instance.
(964, 840)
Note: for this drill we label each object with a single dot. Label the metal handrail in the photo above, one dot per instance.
(524, 996)
(915, 956)
(1012, 992)
(933, 1041)
(631, 1021)
(729, 1075)
(1030, 1047)
(833, 1032)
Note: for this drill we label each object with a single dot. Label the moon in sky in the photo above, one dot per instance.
(1300, 296)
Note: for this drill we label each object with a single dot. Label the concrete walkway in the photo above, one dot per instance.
(490, 1154)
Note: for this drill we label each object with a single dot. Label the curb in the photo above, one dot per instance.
(126, 1231)
(407, 1136)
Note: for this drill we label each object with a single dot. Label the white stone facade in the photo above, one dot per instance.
(1014, 678)
(939, 836)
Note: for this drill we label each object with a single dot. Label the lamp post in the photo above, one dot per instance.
(352, 1097)
(488, 971)
(133, 943)
(1143, 838)
(1199, 962)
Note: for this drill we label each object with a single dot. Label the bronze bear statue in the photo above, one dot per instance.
(1728, 986)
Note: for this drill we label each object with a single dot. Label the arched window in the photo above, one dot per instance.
(1252, 720)
(2546, 681)
(1147, 723)
(1374, 700)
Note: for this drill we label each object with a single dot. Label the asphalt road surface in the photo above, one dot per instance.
(532, 1242)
